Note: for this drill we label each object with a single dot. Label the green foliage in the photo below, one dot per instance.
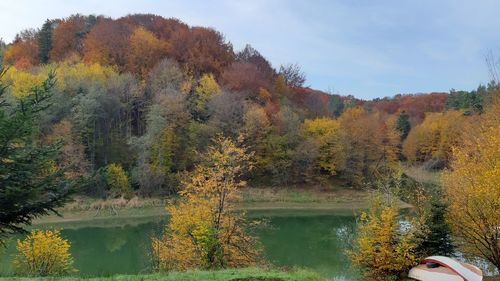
(247, 274)
(45, 42)
(30, 184)
(403, 125)
(472, 101)
(336, 105)
(437, 239)
(3, 48)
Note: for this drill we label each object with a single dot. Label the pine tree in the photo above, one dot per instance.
(403, 125)
(30, 183)
(438, 238)
(45, 42)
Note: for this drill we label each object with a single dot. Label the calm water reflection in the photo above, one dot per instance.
(315, 241)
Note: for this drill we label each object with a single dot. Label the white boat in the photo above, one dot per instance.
(439, 268)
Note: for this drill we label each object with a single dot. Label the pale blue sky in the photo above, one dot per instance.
(365, 48)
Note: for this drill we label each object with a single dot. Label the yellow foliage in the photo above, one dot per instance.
(264, 95)
(23, 82)
(382, 248)
(472, 188)
(207, 88)
(145, 51)
(434, 137)
(68, 75)
(370, 143)
(326, 132)
(204, 231)
(117, 181)
(43, 253)
(71, 74)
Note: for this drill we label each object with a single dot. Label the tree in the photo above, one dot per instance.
(294, 77)
(202, 50)
(117, 181)
(23, 53)
(45, 42)
(43, 253)
(403, 125)
(107, 43)
(370, 145)
(336, 105)
(68, 36)
(326, 132)
(251, 55)
(245, 77)
(437, 237)
(472, 188)
(166, 147)
(3, 48)
(145, 51)
(207, 89)
(434, 138)
(204, 230)
(383, 250)
(30, 184)
(72, 153)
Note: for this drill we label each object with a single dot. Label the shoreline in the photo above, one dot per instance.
(255, 201)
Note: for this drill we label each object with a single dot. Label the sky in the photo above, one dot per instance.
(366, 48)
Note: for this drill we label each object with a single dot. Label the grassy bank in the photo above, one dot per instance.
(253, 199)
(249, 274)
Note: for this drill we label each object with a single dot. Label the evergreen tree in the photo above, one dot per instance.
(31, 184)
(3, 48)
(45, 42)
(438, 239)
(403, 125)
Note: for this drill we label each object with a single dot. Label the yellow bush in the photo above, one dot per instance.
(117, 181)
(383, 249)
(43, 253)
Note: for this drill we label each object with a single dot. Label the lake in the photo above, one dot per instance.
(307, 239)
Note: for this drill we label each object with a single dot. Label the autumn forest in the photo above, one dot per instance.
(144, 107)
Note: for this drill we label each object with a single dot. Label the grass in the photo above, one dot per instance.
(421, 175)
(84, 209)
(491, 278)
(248, 274)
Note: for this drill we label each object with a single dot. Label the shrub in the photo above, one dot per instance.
(384, 249)
(117, 181)
(43, 253)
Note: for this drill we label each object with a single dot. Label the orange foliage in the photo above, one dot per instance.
(67, 37)
(107, 43)
(24, 51)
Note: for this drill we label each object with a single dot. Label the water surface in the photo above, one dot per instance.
(313, 240)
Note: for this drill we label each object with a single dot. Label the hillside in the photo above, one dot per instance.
(147, 94)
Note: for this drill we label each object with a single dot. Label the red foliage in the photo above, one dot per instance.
(244, 76)
(415, 105)
(68, 35)
(107, 43)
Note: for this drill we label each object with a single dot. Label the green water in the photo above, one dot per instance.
(315, 241)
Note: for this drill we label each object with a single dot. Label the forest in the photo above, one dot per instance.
(150, 107)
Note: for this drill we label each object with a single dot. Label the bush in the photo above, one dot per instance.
(117, 181)
(43, 253)
(383, 249)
